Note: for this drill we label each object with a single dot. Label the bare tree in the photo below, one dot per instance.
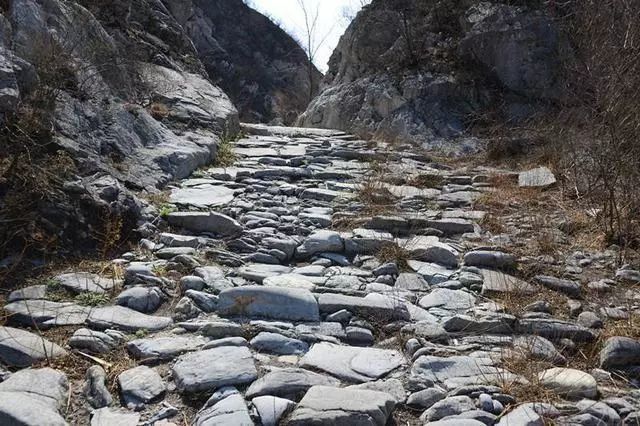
(315, 37)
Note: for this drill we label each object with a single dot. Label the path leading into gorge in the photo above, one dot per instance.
(320, 280)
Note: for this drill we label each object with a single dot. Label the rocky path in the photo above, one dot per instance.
(320, 280)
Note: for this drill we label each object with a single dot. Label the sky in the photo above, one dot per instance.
(331, 21)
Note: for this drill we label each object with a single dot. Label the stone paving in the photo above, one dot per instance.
(262, 296)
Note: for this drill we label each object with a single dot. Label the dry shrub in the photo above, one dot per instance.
(159, 111)
(395, 253)
(599, 124)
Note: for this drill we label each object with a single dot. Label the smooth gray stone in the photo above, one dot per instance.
(126, 319)
(442, 369)
(20, 348)
(599, 410)
(538, 347)
(290, 383)
(489, 259)
(278, 344)
(290, 304)
(93, 341)
(319, 194)
(352, 363)
(141, 299)
(570, 288)
(34, 398)
(452, 226)
(28, 293)
(569, 383)
(271, 409)
(80, 282)
(206, 302)
(620, 352)
(226, 341)
(493, 324)
(164, 348)
(321, 242)
(372, 305)
(430, 249)
(177, 240)
(171, 252)
(258, 272)
(393, 387)
(554, 329)
(326, 328)
(213, 368)
(221, 328)
(202, 196)
(338, 406)
(499, 282)
(450, 406)
(540, 177)
(215, 223)
(113, 417)
(140, 385)
(452, 300)
(411, 282)
(425, 398)
(95, 387)
(213, 277)
(225, 407)
(46, 313)
(525, 415)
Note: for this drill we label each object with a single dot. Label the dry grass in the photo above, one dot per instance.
(396, 254)
(225, 156)
(159, 111)
(523, 365)
(514, 302)
(426, 180)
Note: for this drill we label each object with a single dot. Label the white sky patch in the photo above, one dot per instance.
(331, 21)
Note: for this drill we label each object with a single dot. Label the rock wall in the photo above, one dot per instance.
(132, 105)
(420, 71)
(259, 65)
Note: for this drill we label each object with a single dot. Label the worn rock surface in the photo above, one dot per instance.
(292, 302)
(400, 70)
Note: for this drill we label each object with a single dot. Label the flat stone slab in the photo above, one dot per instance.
(46, 313)
(289, 383)
(451, 300)
(215, 223)
(569, 382)
(164, 348)
(34, 398)
(329, 406)
(456, 371)
(292, 304)
(126, 319)
(213, 368)
(225, 407)
(258, 272)
(140, 385)
(372, 305)
(202, 196)
(81, 282)
(111, 417)
(499, 282)
(20, 348)
(352, 363)
(541, 177)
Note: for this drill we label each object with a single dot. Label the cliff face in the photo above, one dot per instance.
(256, 63)
(116, 90)
(420, 71)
